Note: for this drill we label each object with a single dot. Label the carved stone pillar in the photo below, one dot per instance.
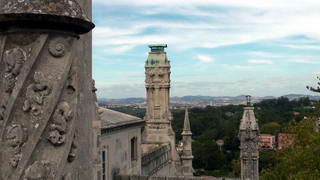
(40, 90)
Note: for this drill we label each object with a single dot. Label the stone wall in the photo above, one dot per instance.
(117, 150)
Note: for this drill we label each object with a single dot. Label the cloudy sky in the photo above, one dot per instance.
(216, 47)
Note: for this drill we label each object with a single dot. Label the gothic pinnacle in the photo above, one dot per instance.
(186, 126)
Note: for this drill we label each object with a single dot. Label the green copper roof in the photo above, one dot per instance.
(157, 56)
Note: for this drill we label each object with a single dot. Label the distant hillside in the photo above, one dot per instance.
(297, 96)
(202, 100)
(106, 101)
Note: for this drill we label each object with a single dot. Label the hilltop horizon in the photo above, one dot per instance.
(240, 95)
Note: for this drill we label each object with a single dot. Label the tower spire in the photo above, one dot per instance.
(187, 146)
(186, 125)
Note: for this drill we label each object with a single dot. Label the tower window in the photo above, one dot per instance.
(104, 157)
(134, 148)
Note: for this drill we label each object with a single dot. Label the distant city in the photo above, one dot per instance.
(197, 101)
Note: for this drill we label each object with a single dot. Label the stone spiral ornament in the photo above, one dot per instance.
(57, 48)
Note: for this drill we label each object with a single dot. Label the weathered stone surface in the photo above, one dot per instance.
(41, 86)
(66, 15)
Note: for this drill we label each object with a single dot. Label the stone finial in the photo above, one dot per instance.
(186, 125)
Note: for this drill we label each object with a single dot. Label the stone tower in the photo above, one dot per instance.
(158, 117)
(249, 149)
(43, 133)
(186, 157)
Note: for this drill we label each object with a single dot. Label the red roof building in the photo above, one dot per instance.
(267, 141)
(285, 140)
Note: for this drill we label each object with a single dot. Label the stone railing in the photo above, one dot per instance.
(153, 161)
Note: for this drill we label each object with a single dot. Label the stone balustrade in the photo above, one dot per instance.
(155, 160)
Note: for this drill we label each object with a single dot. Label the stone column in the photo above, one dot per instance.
(44, 134)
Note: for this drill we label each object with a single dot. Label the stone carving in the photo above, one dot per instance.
(157, 75)
(16, 136)
(2, 110)
(36, 93)
(249, 143)
(14, 60)
(94, 89)
(14, 161)
(39, 170)
(58, 128)
(73, 151)
(71, 83)
(57, 48)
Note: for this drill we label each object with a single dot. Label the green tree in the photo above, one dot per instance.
(270, 128)
(300, 161)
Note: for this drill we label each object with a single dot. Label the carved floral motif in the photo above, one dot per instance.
(58, 128)
(36, 93)
(14, 60)
(15, 137)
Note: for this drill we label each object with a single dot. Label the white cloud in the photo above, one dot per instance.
(263, 54)
(260, 61)
(232, 3)
(211, 24)
(305, 61)
(204, 58)
(238, 67)
(251, 21)
(306, 47)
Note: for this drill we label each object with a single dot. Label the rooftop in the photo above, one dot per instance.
(114, 119)
(157, 47)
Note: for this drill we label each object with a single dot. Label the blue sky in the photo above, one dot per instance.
(216, 47)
